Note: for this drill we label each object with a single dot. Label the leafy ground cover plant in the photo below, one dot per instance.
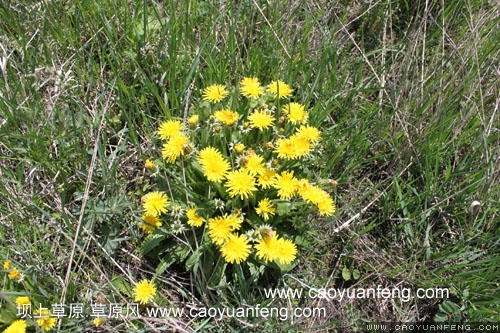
(233, 180)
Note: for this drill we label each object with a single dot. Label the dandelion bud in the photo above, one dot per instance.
(149, 164)
(239, 147)
(193, 120)
(250, 152)
(266, 230)
(333, 182)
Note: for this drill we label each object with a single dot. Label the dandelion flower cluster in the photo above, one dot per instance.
(235, 170)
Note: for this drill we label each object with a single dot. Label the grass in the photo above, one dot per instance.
(406, 95)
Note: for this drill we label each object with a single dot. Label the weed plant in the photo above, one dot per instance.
(405, 94)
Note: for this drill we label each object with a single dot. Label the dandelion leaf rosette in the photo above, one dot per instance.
(232, 178)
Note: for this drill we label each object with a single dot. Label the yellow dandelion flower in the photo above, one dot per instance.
(193, 120)
(18, 326)
(250, 87)
(149, 164)
(235, 249)
(144, 291)
(286, 251)
(220, 227)
(310, 133)
(150, 223)
(261, 119)
(240, 182)
(7, 264)
(267, 178)
(308, 192)
(295, 112)
(44, 319)
(235, 220)
(265, 208)
(214, 165)
(193, 219)
(266, 247)
(239, 148)
(155, 203)
(22, 300)
(14, 274)
(98, 321)
(254, 164)
(227, 117)
(293, 147)
(326, 206)
(302, 187)
(317, 196)
(286, 184)
(279, 89)
(302, 146)
(285, 148)
(175, 147)
(169, 128)
(215, 93)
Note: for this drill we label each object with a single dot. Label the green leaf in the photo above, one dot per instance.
(283, 207)
(174, 253)
(122, 285)
(285, 267)
(346, 273)
(162, 266)
(194, 258)
(256, 269)
(151, 242)
(441, 318)
(356, 274)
